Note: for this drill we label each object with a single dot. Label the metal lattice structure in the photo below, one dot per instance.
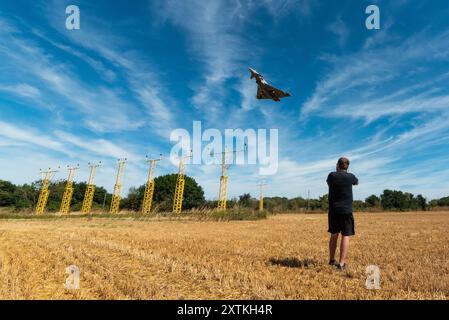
(223, 190)
(90, 189)
(44, 192)
(117, 195)
(149, 187)
(261, 185)
(180, 182)
(68, 192)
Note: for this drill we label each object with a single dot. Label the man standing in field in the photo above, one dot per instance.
(340, 215)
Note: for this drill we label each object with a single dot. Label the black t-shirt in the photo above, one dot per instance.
(340, 192)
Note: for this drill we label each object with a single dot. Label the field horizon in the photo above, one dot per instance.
(281, 257)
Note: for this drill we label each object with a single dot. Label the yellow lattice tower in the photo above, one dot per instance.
(149, 188)
(223, 191)
(117, 195)
(44, 192)
(180, 181)
(68, 192)
(90, 189)
(261, 185)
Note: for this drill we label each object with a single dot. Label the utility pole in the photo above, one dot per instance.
(90, 189)
(261, 185)
(308, 199)
(180, 181)
(223, 190)
(104, 200)
(149, 188)
(47, 176)
(222, 193)
(68, 192)
(117, 195)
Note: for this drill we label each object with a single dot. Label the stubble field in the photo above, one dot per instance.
(282, 257)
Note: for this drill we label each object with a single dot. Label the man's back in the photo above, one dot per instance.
(340, 217)
(340, 192)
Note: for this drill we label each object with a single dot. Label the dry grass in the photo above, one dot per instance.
(282, 257)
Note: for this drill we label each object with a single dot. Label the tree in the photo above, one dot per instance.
(7, 190)
(320, 204)
(372, 201)
(134, 199)
(358, 205)
(324, 202)
(25, 196)
(443, 202)
(421, 202)
(398, 200)
(282, 204)
(298, 203)
(245, 200)
(392, 200)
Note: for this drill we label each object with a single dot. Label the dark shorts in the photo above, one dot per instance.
(341, 223)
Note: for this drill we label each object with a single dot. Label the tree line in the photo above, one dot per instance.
(24, 197)
(389, 200)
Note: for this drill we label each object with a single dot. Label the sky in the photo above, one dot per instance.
(137, 70)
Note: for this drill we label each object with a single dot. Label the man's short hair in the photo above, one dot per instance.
(343, 163)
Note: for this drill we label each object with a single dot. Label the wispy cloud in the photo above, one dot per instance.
(141, 75)
(22, 89)
(339, 28)
(216, 37)
(29, 136)
(96, 64)
(212, 31)
(63, 142)
(103, 109)
(284, 7)
(388, 84)
(360, 83)
(101, 147)
(32, 149)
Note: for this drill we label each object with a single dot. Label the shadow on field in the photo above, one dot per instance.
(293, 262)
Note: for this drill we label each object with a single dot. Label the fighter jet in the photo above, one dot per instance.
(264, 90)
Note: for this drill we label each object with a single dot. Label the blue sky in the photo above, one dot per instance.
(136, 70)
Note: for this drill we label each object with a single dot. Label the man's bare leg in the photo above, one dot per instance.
(344, 247)
(333, 246)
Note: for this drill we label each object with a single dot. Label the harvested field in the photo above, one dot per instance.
(282, 257)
